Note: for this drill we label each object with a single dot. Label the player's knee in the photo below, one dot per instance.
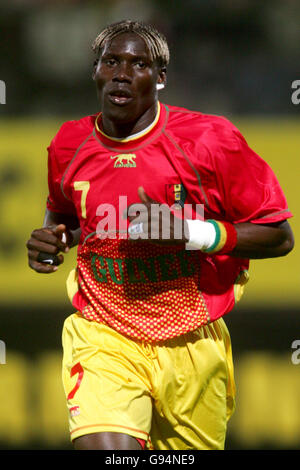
(106, 441)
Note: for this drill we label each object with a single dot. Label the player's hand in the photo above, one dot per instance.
(155, 222)
(50, 241)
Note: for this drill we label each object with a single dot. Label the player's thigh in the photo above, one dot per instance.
(192, 406)
(104, 381)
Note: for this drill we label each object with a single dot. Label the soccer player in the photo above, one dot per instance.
(147, 356)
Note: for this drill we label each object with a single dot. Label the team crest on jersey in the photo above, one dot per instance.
(124, 160)
(176, 195)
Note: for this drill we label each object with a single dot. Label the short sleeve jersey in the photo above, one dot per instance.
(144, 290)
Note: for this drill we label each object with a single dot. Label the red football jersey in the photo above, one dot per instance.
(144, 290)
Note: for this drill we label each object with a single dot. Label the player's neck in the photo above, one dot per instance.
(119, 130)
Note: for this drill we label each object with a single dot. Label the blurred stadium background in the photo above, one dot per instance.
(236, 58)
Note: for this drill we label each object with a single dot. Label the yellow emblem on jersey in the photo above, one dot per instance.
(176, 195)
(124, 160)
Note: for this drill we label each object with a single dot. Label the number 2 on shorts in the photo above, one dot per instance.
(77, 369)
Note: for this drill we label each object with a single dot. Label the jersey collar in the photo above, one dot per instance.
(136, 139)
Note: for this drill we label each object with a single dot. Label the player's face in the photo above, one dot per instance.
(126, 80)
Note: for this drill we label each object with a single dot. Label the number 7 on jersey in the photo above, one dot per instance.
(83, 186)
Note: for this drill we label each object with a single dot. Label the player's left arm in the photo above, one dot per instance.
(252, 241)
(257, 241)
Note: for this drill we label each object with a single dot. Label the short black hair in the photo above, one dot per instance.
(156, 41)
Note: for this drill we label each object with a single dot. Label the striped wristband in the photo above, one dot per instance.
(211, 236)
(226, 237)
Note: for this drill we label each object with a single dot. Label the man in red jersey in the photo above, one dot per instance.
(147, 356)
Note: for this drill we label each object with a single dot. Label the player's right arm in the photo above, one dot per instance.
(59, 233)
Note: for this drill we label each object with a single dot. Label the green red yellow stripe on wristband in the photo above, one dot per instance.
(226, 237)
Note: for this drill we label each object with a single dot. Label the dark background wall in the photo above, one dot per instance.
(227, 56)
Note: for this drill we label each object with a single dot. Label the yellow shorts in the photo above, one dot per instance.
(177, 395)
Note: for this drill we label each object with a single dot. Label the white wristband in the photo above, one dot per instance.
(202, 235)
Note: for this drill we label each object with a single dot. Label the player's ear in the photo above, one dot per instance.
(162, 78)
(95, 69)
